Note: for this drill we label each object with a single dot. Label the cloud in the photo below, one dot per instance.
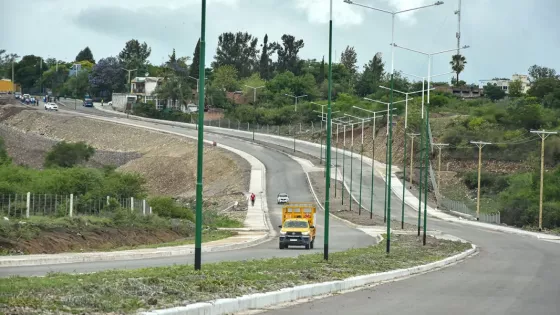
(408, 17)
(318, 12)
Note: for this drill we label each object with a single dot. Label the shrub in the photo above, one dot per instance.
(169, 208)
(65, 154)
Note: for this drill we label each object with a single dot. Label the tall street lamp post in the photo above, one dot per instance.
(390, 134)
(427, 125)
(254, 92)
(374, 131)
(200, 144)
(363, 120)
(296, 98)
(329, 128)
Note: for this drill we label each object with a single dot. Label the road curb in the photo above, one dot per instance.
(17, 261)
(267, 299)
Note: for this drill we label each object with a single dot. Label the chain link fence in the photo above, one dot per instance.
(31, 204)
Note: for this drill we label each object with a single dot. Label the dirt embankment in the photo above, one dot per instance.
(167, 162)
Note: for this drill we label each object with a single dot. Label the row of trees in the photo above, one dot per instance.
(240, 64)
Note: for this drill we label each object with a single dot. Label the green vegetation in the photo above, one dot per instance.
(117, 291)
(65, 154)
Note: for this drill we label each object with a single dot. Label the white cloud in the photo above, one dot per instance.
(398, 5)
(318, 12)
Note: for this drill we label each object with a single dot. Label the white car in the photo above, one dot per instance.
(283, 198)
(51, 106)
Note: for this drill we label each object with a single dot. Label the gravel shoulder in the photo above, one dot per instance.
(167, 162)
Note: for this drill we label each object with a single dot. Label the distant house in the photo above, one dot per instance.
(465, 91)
(503, 83)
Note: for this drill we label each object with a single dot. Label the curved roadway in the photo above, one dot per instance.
(512, 274)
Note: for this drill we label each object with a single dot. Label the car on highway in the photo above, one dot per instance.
(282, 198)
(51, 106)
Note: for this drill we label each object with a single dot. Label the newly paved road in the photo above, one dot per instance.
(511, 275)
(283, 174)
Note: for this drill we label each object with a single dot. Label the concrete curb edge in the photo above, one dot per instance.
(267, 299)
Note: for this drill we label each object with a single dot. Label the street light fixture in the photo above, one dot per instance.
(254, 92)
(197, 80)
(296, 98)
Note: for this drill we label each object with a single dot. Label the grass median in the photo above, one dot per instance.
(128, 291)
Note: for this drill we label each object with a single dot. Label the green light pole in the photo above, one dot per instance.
(200, 146)
(329, 127)
(361, 159)
(390, 131)
(373, 134)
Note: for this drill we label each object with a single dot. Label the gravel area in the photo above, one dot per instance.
(343, 211)
(167, 162)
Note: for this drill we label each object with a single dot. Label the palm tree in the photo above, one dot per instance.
(458, 63)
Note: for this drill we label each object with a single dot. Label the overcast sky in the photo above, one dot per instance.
(505, 36)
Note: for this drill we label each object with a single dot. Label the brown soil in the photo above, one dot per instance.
(74, 240)
(167, 162)
(343, 211)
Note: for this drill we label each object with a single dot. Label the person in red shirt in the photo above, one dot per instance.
(252, 199)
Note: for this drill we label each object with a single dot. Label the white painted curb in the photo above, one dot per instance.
(267, 299)
(66, 258)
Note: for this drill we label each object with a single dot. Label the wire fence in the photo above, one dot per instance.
(461, 207)
(30, 204)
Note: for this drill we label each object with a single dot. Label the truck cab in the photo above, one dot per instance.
(298, 225)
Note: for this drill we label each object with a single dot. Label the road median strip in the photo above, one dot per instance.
(230, 286)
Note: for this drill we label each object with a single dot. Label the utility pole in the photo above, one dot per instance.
(480, 145)
(543, 135)
(129, 83)
(439, 146)
(458, 34)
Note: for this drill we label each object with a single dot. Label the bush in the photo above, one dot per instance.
(490, 183)
(67, 155)
(169, 208)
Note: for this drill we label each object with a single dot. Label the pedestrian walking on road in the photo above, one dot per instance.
(252, 199)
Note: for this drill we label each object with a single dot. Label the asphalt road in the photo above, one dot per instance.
(283, 174)
(511, 274)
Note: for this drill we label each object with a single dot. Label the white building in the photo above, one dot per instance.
(503, 83)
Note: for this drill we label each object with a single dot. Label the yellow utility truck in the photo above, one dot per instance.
(298, 225)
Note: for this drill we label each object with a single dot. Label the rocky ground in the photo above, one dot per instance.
(167, 162)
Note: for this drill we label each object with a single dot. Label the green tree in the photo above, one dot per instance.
(265, 63)
(321, 76)
(349, 58)
(238, 50)
(193, 70)
(85, 55)
(372, 75)
(28, 71)
(288, 59)
(255, 81)
(515, 88)
(538, 72)
(494, 92)
(77, 85)
(225, 77)
(544, 86)
(135, 55)
(458, 63)
(65, 154)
